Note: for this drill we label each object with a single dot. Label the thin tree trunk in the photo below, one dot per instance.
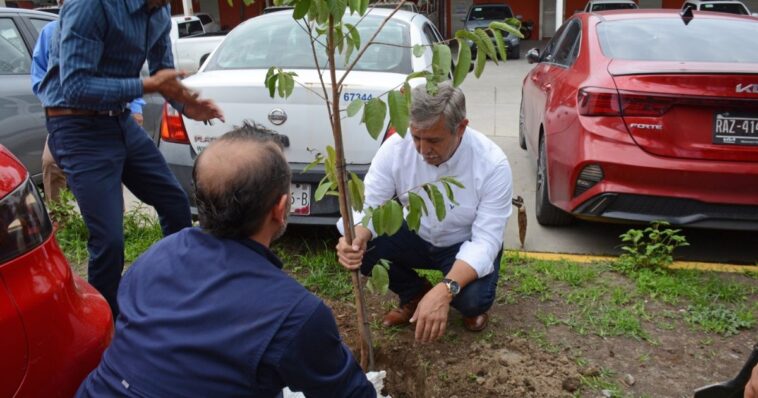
(367, 350)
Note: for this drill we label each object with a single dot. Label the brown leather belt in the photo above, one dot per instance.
(54, 112)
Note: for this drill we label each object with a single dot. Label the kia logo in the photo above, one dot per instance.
(277, 116)
(748, 88)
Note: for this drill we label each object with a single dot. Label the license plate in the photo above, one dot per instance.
(300, 199)
(735, 128)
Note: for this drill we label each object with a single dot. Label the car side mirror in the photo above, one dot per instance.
(519, 17)
(533, 56)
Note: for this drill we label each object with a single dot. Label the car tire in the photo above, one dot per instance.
(547, 214)
(521, 125)
(515, 53)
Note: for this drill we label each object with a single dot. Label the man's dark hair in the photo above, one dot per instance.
(234, 197)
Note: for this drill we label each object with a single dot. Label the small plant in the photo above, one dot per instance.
(650, 248)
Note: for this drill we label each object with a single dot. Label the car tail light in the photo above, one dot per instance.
(388, 133)
(595, 101)
(172, 126)
(588, 177)
(24, 223)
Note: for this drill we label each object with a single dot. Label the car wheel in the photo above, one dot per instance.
(546, 213)
(515, 52)
(521, 126)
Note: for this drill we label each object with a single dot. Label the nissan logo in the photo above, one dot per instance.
(277, 116)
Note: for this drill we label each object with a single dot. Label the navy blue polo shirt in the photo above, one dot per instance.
(208, 317)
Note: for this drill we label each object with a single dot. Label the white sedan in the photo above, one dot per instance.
(234, 78)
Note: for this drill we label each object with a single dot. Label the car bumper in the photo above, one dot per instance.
(512, 44)
(637, 186)
(181, 158)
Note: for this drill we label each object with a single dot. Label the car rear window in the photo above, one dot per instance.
(669, 39)
(731, 8)
(489, 13)
(613, 6)
(190, 28)
(278, 40)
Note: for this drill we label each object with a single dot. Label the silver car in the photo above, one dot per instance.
(480, 16)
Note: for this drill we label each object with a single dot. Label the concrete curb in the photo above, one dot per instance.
(581, 258)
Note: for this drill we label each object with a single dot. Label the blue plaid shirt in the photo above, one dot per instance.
(98, 52)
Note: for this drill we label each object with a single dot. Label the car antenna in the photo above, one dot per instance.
(686, 15)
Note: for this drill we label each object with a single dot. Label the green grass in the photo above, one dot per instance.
(316, 268)
(141, 230)
(601, 303)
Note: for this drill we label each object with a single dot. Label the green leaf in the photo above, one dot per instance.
(452, 180)
(367, 214)
(374, 113)
(356, 188)
(449, 192)
(282, 85)
(481, 60)
(441, 61)
(355, 5)
(437, 199)
(500, 44)
(377, 220)
(290, 84)
(399, 111)
(319, 160)
(337, 8)
(339, 39)
(354, 108)
(323, 187)
(330, 164)
(507, 28)
(271, 79)
(348, 50)
(413, 219)
(415, 75)
(301, 9)
(415, 201)
(418, 50)
(380, 279)
(363, 8)
(463, 64)
(354, 34)
(392, 217)
(484, 41)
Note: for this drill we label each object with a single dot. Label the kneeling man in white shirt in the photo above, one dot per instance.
(466, 246)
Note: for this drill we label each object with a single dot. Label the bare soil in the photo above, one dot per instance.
(518, 356)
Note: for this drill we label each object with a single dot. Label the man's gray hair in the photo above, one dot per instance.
(426, 109)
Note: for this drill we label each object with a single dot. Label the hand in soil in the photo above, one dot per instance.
(431, 314)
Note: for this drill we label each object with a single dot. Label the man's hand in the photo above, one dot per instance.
(751, 389)
(351, 256)
(431, 314)
(138, 118)
(203, 110)
(167, 83)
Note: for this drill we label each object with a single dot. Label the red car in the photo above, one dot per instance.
(54, 326)
(646, 115)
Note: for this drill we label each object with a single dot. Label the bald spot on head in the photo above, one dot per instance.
(222, 161)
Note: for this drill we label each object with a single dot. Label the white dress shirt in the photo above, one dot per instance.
(484, 205)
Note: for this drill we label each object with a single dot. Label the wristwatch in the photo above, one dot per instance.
(452, 286)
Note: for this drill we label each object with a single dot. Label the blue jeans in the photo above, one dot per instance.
(406, 252)
(97, 154)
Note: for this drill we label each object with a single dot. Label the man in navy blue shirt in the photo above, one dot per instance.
(93, 72)
(208, 312)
